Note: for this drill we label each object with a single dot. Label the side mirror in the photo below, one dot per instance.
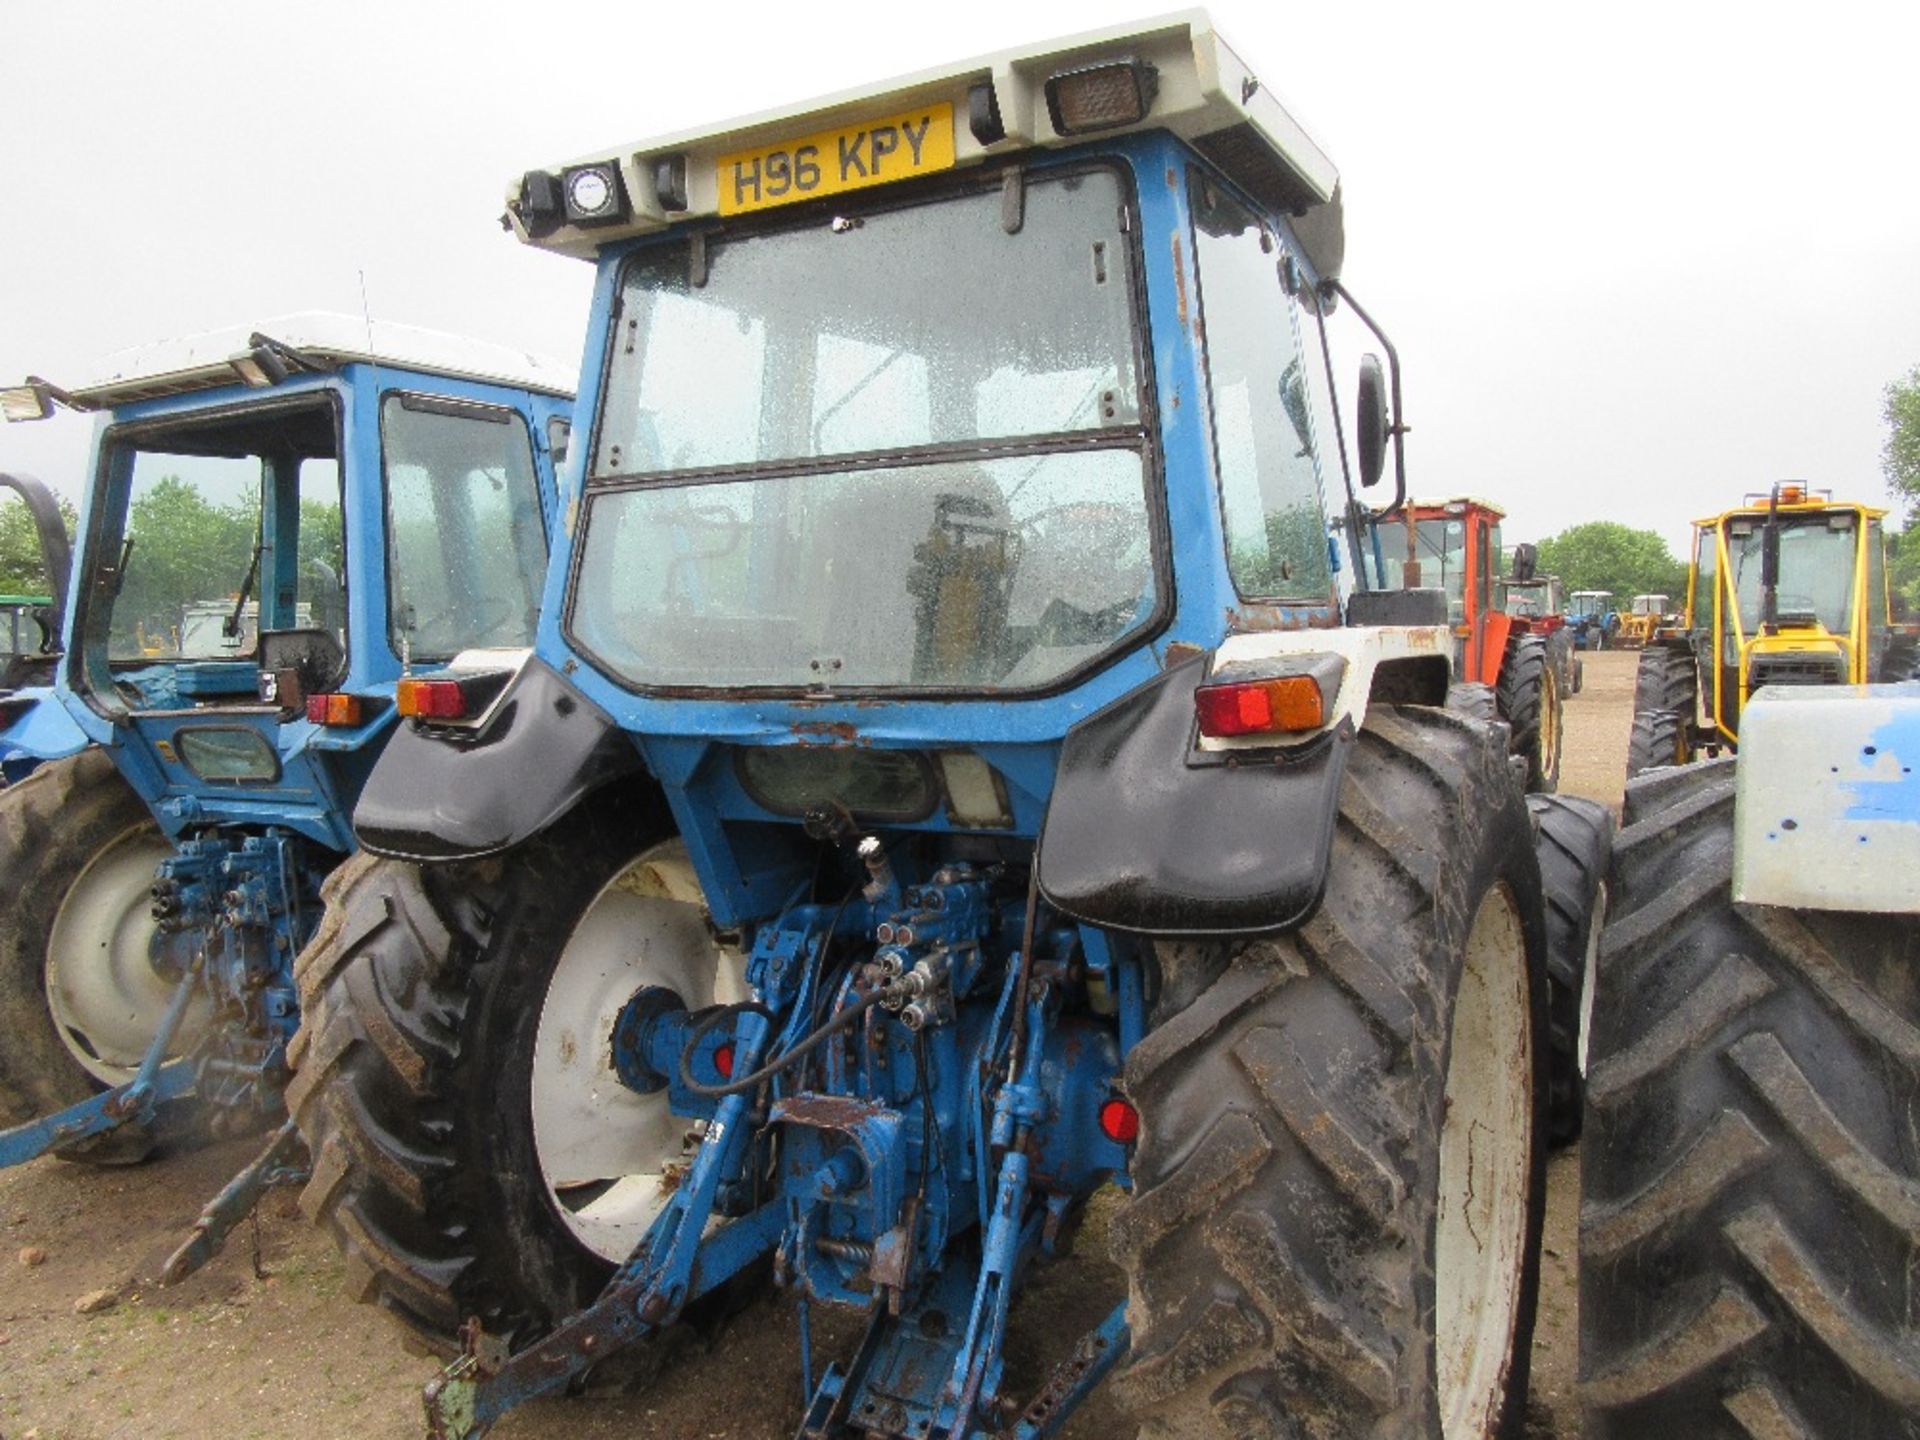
(1370, 433)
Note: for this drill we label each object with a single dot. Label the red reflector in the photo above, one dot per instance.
(334, 709)
(1260, 707)
(430, 699)
(1119, 1121)
(723, 1061)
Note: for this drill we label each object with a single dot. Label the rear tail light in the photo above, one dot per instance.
(431, 699)
(335, 709)
(1280, 695)
(1260, 707)
(1119, 1121)
(723, 1061)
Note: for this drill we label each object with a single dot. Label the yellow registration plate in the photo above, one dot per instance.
(875, 152)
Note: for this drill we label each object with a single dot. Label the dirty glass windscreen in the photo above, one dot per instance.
(1441, 548)
(1258, 384)
(993, 531)
(1817, 556)
(203, 550)
(466, 543)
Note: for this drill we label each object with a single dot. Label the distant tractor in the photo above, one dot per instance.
(1789, 588)
(1641, 619)
(30, 625)
(1456, 543)
(1592, 619)
(1541, 600)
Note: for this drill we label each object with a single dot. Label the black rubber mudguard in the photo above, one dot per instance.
(447, 794)
(1147, 834)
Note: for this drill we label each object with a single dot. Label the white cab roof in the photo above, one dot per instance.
(1207, 95)
(200, 362)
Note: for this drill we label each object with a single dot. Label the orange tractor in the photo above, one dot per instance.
(1506, 666)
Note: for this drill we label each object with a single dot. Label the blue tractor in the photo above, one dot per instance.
(278, 526)
(30, 625)
(952, 776)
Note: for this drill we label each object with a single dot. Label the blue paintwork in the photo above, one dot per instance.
(1896, 744)
(888, 1164)
(240, 896)
(43, 731)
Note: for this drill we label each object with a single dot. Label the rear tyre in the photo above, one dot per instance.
(1664, 702)
(473, 1152)
(1473, 700)
(79, 1000)
(1572, 838)
(1560, 656)
(1902, 661)
(1750, 1169)
(1339, 1182)
(1528, 696)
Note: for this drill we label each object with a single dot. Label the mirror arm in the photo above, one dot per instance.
(1395, 428)
(1355, 510)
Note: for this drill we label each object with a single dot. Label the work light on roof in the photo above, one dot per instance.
(25, 402)
(1101, 97)
(594, 194)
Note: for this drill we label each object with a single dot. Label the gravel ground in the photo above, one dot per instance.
(274, 1348)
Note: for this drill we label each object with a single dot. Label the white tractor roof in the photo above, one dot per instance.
(201, 362)
(1206, 94)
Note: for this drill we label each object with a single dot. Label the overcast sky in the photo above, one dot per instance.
(1637, 258)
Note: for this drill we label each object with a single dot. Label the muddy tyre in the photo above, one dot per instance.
(1750, 1170)
(1301, 1177)
(1560, 656)
(1528, 695)
(1475, 701)
(79, 1002)
(1572, 841)
(436, 1045)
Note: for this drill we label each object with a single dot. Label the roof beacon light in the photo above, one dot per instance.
(1101, 97)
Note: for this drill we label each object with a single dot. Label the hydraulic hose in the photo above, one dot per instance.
(799, 1051)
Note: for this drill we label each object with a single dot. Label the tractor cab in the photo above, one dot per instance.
(1507, 633)
(1788, 588)
(280, 522)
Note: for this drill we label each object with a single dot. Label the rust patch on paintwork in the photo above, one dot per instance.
(827, 1112)
(827, 732)
(1179, 282)
(1263, 619)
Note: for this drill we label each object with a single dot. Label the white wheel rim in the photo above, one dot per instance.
(1589, 979)
(609, 1156)
(1486, 1160)
(102, 993)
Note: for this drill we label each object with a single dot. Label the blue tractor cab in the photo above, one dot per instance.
(280, 524)
(30, 624)
(951, 778)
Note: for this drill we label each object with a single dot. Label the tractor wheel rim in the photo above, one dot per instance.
(104, 997)
(610, 1157)
(1486, 1161)
(1549, 724)
(1589, 979)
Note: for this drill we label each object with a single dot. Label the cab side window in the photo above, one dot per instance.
(1259, 398)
